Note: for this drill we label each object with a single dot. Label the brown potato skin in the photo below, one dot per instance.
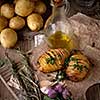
(3, 23)
(8, 38)
(73, 73)
(58, 54)
(24, 7)
(7, 10)
(40, 7)
(15, 1)
(17, 23)
(57, 1)
(34, 22)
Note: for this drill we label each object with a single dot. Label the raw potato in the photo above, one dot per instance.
(57, 1)
(17, 23)
(7, 10)
(24, 7)
(3, 23)
(8, 38)
(0, 38)
(40, 7)
(78, 67)
(15, 1)
(35, 22)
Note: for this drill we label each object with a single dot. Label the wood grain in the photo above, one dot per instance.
(93, 92)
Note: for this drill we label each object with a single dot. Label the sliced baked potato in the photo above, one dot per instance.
(52, 60)
(78, 67)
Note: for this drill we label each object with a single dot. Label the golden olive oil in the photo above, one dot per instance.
(61, 40)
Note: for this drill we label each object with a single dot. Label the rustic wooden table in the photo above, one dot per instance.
(93, 93)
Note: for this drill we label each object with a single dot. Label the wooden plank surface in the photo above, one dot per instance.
(93, 92)
(25, 45)
(5, 91)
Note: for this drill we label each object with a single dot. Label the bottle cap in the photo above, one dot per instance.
(57, 3)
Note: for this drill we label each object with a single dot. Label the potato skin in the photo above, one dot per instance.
(0, 38)
(40, 7)
(52, 60)
(35, 22)
(17, 23)
(24, 7)
(7, 10)
(3, 23)
(74, 72)
(15, 1)
(8, 38)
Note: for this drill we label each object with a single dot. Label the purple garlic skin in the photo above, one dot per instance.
(66, 93)
(59, 88)
(52, 93)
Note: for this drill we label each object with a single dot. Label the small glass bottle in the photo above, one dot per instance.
(59, 33)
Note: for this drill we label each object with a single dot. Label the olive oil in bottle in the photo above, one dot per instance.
(59, 32)
(60, 40)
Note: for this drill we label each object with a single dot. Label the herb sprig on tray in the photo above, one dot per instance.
(3, 61)
(23, 72)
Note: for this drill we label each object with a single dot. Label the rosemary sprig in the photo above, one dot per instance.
(26, 77)
(1, 62)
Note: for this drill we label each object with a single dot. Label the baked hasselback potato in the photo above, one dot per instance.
(78, 67)
(52, 60)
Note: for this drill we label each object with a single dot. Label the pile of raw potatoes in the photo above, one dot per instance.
(14, 16)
